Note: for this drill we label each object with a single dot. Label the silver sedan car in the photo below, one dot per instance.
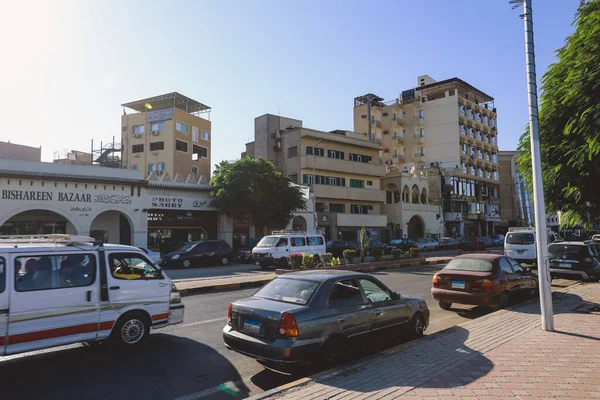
(318, 316)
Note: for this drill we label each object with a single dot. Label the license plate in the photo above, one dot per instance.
(565, 264)
(458, 285)
(251, 326)
(520, 251)
(257, 263)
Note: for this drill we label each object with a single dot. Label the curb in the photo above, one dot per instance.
(222, 287)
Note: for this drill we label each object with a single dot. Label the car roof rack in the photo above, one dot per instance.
(288, 232)
(524, 228)
(50, 238)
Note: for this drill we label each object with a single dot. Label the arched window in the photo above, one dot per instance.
(424, 196)
(406, 194)
(415, 194)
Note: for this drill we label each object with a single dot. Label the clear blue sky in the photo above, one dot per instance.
(68, 65)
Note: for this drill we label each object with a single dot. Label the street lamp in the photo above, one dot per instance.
(536, 161)
(316, 220)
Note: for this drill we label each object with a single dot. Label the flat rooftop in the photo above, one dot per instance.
(457, 82)
(175, 100)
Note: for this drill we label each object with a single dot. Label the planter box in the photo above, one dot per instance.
(366, 267)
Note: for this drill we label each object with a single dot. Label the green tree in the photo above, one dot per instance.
(363, 242)
(253, 188)
(569, 118)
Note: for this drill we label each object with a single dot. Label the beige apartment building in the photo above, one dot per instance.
(343, 167)
(168, 135)
(13, 151)
(449, 128)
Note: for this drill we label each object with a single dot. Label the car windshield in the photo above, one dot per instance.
(288, 290)
(470, 264)
(568, 250)
(189, 246)
(520, 238)
(422, 241)
(268, 241)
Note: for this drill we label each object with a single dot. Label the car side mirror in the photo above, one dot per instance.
(396, 296)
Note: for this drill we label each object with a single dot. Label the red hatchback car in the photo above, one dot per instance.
(488, 280)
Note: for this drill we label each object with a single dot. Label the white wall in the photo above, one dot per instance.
(108, 222)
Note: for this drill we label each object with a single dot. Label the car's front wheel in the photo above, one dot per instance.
(417, 326)
(186, 264)
(445, 305)
(224, 261)
(132, 329)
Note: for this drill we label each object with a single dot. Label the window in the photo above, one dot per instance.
(54, 271)
(286, 290)
(471, 133)
(471, 114)
(359, 209)
(486, 120)
(487, 155)
(205, 135)
(137, 148)
(463, 147)
(180, 145)
(516, 266)
(298, 241)
(463, 129)
(154, 146)
(159, 126)
(319, 152)
(134, 167)
(480, 153)
(132, 266)
(463, 110)
(160, 167)
(374, 292)
(505, 266)
(309, 150)
(194, 170)
(421, 114)
(479, 137)
(397, 196)
(199, 152)
(194, 134)
(369, 183)
(357, 183)
(520, 238)
(292, 152)
(314, 240)
(388, 197)
(464, 168)
(139, 130)
(481, 172)
(336, 181)
(478, 117)
(486, 138)
(359, 158)
(181, 127)
(470, 264)
(345, 294)
(335, 154)
(494, 140)
(151, 167)
(306, 179)
(337, 208)
(293, 178)
(2, 274)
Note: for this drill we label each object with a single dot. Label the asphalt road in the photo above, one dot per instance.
(187, 361)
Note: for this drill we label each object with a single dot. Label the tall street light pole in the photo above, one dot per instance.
(536, 160)
(314, 181)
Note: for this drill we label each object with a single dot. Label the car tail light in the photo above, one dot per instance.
(288, 325)
(229, 307)
(487, 285)
(435, 281)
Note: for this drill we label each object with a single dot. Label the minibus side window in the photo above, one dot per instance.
(131, 266)
(54, 271)
(2, 275)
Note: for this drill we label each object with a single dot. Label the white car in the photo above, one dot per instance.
(153, 255)
(427, 244)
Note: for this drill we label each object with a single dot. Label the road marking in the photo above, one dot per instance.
(230, 386)
(208, 321)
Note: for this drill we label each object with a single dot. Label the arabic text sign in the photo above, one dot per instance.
(163, 114)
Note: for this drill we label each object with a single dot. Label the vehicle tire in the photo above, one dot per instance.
(502, 302)
(333, 352)
(131, 329)
(186, 264)
(224, 261)
(444, 305)
(417, 327)
(264, 266)
(425, 248)
(283, 262)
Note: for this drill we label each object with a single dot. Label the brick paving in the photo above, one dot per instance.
(503, 355)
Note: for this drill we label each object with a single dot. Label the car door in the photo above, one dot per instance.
(4, 295)
(55, 300)
(134, 283)
(200, 254)
(349, 309)
(389, 312)
(508, 278)
(527, 281)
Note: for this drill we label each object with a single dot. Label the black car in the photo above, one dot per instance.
(467, 244)
(337, 247)
(448, 243)
(203, 252)
(574, 260)
(374, 244)
(244, 254)
(403, 244)
(486, 241)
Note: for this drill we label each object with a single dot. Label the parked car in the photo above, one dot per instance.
(318, 316)
(448, 243)
(427, 244)
(276, 248)
(244, 254)
(574, 260)
(337, 247)
(596, 240)
(402, 244)
(486, 241)
(374, 244)
(467, 244)
(65, 289)
(497, 239)
(153, 255)
(489, 280)
(203, 252)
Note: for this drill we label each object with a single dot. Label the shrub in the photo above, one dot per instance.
(396, 253)
(384, 258)
(414, 252)
(349, 255)
(296, 261)
(335, 261)
(326, 258)
(308, 260)
(377, 253)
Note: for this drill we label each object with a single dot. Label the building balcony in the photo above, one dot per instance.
(378, 124)
(398, 156)
(398, 122)
(418, 120)
(359, 220)
(420, 207)
(419, 157)
(350, 167)
(348, 193)
(419, 139)
(398, 138)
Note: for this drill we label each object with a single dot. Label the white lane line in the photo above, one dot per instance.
(230, 386)
(208, 321)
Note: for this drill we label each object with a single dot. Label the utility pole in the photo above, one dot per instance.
(536, 160)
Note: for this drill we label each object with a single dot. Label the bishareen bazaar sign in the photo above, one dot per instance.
(36, 195)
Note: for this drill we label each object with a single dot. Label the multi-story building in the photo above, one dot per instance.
(73, 157)
(13, 151)
(515, 199)
(168, 134)
(343, 167)
(449, 126)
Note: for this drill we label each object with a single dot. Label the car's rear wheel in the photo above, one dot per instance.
(417, 326)
(445, 305)
(502, 302)
(333, 352)
(283, 262)
(425, 248)
(264, 266)
(186, 264)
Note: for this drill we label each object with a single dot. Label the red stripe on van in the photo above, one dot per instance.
(158, 317)
(2, 340)
(58, 332)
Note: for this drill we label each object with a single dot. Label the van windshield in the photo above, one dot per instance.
(267, 241)
(520, 238)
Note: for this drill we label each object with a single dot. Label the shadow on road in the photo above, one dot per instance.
(163, 367)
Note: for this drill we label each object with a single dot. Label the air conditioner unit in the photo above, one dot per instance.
(155, 133)
(385, 132)
(385, 114)
(387, 150)
(363, 116)
(389, 162)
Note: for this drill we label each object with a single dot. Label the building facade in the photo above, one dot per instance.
(73, 157)
(515, 198)
(343, 167)
(13, 151)
(167, 134)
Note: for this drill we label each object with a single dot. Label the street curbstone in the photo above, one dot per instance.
(223, 287)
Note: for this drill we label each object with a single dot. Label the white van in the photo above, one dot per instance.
(62, 289)
(276, 248)
(520, 244)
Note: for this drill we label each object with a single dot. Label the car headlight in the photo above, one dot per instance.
(175, 257)
(175, 297)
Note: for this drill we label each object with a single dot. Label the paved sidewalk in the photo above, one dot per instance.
(503, 355)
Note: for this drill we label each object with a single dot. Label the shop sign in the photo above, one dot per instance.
(64, 197)
(184, 203)
(163, 114)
